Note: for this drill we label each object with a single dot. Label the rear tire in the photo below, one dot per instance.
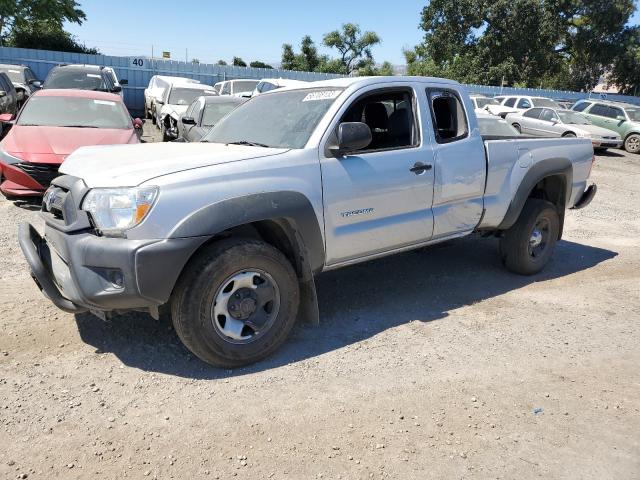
(528, 245)
(213, 279)
(632, 143)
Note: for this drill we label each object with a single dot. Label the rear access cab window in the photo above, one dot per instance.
(448, 115)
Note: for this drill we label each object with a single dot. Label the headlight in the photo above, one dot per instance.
(115, 210)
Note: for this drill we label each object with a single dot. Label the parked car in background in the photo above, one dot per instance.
(566, 104)
(174, 103)
(230, 233)
(268, 84)
(549, 122)
(203, 114)
(483, 104)
(51, 125)
(622, 118)
(239, 87)
(494, 127)
(8, 95)
(157, 85)
(23, 79)
(81, 77)
(521, 103)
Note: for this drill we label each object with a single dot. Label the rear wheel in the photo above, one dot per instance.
(527, 246)
(632, 143)
(236, 302)
(569, 135)
(517, 127)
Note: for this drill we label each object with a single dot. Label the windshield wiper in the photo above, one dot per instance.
(79, 126)
(251, 144)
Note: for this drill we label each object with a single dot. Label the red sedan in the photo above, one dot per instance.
(53, 124)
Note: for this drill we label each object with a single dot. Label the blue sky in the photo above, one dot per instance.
(253, 30)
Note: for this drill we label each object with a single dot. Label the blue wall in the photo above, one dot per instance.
(41, 61)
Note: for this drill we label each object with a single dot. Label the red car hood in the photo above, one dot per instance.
(53, 144)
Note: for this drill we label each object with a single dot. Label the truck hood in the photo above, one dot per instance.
(131, 165)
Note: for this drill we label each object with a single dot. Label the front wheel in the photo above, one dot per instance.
(517, 127)
(236, 302)
(527, 246)
(569, 135)
(632, 143)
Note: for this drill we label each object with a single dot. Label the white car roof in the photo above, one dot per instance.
(284, 82)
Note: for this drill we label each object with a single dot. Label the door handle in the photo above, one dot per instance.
(420, 167)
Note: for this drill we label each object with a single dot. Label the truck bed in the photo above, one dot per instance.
(509, 159)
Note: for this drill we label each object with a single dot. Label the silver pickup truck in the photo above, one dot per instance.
(229, 233)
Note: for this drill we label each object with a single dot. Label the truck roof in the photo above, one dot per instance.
(345, 82)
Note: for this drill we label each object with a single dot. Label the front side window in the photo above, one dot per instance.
(449, 119)
(524, 103)
(615, 112)
(213, 112)
(390, 117)
(580, 107)
(74, 112)
(548, 115)
(600, 110)
(533, 113)
(284, 119)
(29, 75)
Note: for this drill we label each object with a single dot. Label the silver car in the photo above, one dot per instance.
(552, 122)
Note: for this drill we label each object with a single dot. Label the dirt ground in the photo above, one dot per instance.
(431, 364)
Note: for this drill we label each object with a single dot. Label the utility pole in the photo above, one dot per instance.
(186, 55)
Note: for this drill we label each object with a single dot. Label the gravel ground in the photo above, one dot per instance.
(436, 363)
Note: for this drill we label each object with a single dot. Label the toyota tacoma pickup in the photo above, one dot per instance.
(228, 233)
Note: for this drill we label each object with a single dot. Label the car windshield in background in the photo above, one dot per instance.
(282, 119)
(496, 128)
(77, 79)
(13, 74)
(544, 102)
(74, 112)
(247, 86)
(574, 118)
(634, 114)
(215, 111)
(186, 96)
(483, 102)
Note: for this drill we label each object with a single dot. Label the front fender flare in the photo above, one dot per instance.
(295, 207)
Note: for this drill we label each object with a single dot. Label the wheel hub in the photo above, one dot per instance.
(536, 238)
(245, 306)
(242, 304)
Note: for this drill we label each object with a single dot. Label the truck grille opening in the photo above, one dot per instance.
(43, 173)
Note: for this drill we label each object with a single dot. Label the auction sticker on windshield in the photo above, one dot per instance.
(323, 95)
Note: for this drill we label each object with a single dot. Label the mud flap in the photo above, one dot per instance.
(308, 312)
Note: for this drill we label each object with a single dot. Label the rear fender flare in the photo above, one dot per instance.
(539, 171)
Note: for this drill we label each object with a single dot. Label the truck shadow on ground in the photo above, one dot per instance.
(355, 303)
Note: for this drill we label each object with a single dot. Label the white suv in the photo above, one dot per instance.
(157, 85)
(240, 88)
(521, 103)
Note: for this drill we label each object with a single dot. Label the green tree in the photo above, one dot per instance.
(370, 69)
(288, 61)
(238, 62)
(625, 73)
(22, 14)
(46, 35)
(221, 62)
(561, 44)
(259, 64)
(353, 45)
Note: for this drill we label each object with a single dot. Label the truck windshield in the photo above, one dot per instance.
(279, 119)
(74, 112)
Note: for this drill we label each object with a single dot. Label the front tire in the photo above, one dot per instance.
(632, 143)
(236, 302)
(528, 245)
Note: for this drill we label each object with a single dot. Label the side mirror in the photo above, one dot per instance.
(137, 123)
(6, 118)
(188, 120)
(124, 81)
(352, 136)
(620, 118)
(35, 83)
(554, 120)
(116, 89)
